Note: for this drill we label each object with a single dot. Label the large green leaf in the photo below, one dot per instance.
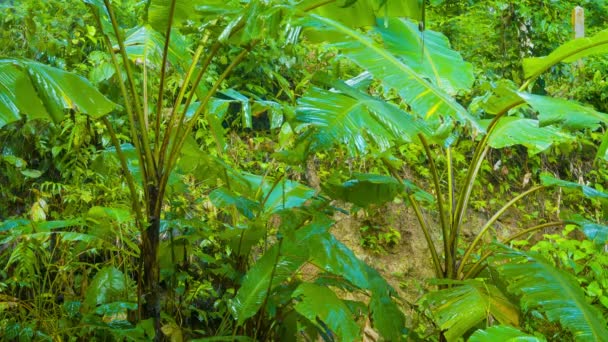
(365, 189)
(564, 113)
(360, 13)
(458, 309)
(108, 286)
(550, 290)
(353, 118)
(519, 131)
(503, 333)
(144, 43)
(568, 52)
(595, 232)
(40, 91)
(158, 13)
(257, 282)
(430, 55)
(425, 99)
(321, 303)
(549, 180)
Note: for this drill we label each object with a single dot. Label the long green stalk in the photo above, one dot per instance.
(490, 222)
(447, 251)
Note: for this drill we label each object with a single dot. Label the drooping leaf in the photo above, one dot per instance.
(364, 189)
(549, 180)
(503, 333)
(432, 58)
(568, 52)
(321, 303)
(556, 293)
(565, 113)
(425, 99)
(458, 309)
(107, 286)
(40, 91)
(526, 132)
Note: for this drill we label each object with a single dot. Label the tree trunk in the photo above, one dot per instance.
(149, 252)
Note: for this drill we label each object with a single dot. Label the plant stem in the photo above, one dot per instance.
(490, 222)
(479, 265)
(163, 71)
(447, 251)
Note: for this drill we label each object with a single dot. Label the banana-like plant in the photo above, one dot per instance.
(345, 114)
(158, 136)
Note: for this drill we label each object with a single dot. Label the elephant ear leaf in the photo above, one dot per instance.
(439, 63)
(426, 99)
(550, 290)
(41, 91)
(319, 303)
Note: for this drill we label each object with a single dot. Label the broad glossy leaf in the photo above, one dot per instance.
(425, 99)
(464, 305)
(353, 118)
(564, 113)
(518, 131)
(143, 42)
(321, 303)
(549, 180)
(41, 91)
(264, 275)
(431, 57)
(503, 333)
(361, 13)
(365, 189)
(107, 286)
(550, 290)
(568, 52)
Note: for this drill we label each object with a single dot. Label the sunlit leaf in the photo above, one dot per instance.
(40, 91)
(519, 131)
(425, 99)
(431, 57)
(568, 52)
(564, 113)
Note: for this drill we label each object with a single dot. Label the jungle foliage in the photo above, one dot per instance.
(171, 170)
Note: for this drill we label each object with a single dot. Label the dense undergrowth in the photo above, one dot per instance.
(187, 183)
